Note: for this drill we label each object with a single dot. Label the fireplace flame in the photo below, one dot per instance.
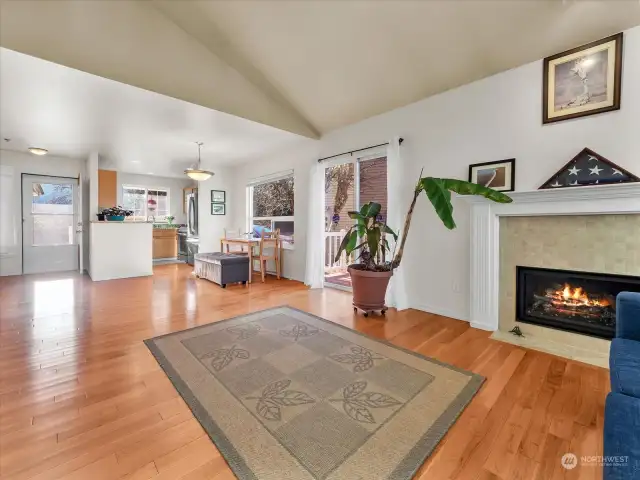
(576, 296)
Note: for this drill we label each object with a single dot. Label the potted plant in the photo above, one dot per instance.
(368, 238)
(116, 214)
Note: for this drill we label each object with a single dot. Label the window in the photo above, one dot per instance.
(52, 214)
(271, 205)
(146, 202)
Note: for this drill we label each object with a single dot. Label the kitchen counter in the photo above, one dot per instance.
(125, 222)
(120, 250)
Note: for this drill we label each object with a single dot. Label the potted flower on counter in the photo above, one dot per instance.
(116, 214)
(368, 238)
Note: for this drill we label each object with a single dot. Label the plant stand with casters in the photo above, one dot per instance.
(367, 311)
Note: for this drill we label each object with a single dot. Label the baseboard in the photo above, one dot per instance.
(482, 326)
(445, 312)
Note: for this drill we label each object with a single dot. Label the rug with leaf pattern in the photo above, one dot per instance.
(286, 394)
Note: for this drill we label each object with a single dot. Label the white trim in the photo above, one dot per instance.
(442, 311)
(336, 286)
(276, 219)
(362, 155)
(485, 232)
(596, 192)
(272, 177)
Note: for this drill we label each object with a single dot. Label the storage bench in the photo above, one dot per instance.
(222, 268)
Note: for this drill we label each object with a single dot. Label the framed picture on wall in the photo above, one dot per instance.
(582, 81)
(218, 196)
(218, 209)
(500, 176)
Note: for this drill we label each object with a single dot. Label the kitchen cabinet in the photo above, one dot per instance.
(165, 243)
(107, 188)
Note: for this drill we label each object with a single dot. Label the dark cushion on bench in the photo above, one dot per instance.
(222, 258)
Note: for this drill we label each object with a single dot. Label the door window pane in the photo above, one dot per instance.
(339, 197)
(52, 230)
(52, 198)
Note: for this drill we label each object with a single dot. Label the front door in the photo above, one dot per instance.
(49, 241)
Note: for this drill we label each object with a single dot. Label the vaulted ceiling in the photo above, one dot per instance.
(306, 67)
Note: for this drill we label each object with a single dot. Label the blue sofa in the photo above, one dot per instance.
(622, 409)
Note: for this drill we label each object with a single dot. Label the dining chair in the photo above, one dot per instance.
(268, 240)
(234, 233)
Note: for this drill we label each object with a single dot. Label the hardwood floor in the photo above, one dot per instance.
(82, 398)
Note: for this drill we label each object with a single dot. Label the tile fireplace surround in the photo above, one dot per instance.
(492, 282)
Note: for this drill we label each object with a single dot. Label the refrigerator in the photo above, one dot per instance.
(192, 240)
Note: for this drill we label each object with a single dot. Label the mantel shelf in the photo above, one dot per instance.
(572, 194)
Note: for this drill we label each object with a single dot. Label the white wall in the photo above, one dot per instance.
(175, 186)
(299, 159)
(12, 166)
(211, 227)
(496, 118)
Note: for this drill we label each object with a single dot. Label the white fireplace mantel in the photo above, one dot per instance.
(485, 232)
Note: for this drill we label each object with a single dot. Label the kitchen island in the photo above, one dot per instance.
(120, 250)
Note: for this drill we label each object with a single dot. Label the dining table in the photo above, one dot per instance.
(250, 243)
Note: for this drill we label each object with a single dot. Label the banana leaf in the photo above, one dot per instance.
(438, 190)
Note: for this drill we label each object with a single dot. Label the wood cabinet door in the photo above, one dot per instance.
(107, 188)
(165, 243)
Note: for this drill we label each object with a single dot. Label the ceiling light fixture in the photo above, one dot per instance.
(38, 151)
(197, 173)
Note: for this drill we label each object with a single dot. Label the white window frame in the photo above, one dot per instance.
(288, 245)
(146, 203)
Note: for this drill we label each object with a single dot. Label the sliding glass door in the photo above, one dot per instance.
(347, 187)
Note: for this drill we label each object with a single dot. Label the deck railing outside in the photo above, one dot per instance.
(332, 242)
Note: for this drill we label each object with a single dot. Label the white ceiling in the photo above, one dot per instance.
(72, 113)
(306, 67)
(340, 62)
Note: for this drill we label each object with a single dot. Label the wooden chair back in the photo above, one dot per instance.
(232, 233)
(269, 240)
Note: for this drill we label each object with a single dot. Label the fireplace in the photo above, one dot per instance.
(575, 301)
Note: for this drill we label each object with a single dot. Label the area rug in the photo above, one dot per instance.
(287, 395)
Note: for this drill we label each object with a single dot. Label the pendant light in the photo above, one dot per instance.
(197, 173)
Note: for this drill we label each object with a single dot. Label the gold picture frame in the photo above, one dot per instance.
(583, 81)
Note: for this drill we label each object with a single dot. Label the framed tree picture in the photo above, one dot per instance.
(582, 81)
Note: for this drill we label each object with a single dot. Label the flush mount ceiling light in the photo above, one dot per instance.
(38, 151)
(197, 173)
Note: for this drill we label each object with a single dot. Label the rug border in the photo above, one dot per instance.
(215, 433)
(426, 444)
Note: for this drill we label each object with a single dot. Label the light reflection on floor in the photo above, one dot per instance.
(52, 297)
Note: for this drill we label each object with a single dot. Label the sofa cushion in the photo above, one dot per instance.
(624, 364)
(621, 439)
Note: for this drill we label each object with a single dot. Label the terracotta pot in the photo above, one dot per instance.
(369, 289)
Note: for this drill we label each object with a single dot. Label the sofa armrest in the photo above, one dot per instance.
(628, 316)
